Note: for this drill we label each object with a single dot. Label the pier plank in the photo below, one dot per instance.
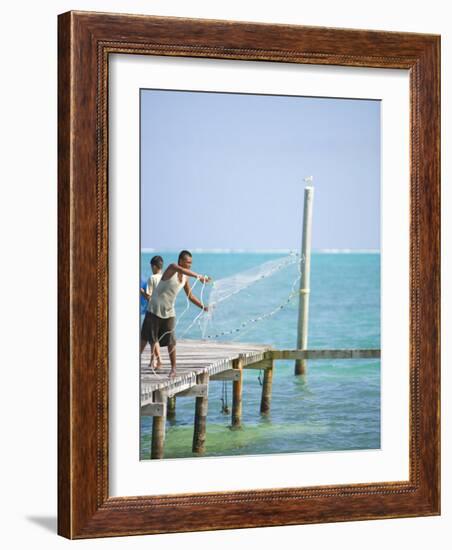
(324, 354)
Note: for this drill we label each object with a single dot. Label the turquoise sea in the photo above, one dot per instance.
(336, 406)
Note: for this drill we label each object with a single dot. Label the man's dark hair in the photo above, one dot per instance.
(182, 255)
(157, 261)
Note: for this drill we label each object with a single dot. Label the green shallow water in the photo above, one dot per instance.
(336, 407)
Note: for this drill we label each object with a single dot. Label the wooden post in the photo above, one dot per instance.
(171, 408)
(237, 386)
(158, 427)
(303, 305)
(267, 388)
(199, 434)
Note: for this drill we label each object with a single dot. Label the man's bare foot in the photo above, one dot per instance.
(157, 364)
(172, 373)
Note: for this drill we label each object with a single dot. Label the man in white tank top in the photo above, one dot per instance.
(161, 306)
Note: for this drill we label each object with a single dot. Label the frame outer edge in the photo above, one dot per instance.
(425, 235)
(64, 293)
(87, 298)
(431, 248)
(81, 510)
(438, 146)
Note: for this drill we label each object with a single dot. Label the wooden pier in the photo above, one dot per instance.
(200, 362)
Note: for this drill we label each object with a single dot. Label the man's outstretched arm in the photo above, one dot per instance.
(179, 269)
(193, 298)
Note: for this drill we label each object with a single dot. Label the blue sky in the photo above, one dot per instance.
(226, 171)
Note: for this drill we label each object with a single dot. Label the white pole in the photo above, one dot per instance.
(303, 305)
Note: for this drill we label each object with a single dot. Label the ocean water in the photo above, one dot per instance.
(336, 406)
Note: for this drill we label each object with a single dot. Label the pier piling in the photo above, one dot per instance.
(303, 305)
(199, 433)
(237, 387)
(171, 408)
(158, 427)
(267, 386)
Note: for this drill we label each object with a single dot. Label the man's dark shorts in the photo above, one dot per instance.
(155, 329)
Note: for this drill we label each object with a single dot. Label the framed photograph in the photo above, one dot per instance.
(249, 275)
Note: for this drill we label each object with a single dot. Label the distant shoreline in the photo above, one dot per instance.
(267, 251)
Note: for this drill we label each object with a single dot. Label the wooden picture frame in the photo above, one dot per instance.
(85, 42)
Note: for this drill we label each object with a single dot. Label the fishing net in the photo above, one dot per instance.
(238, 302)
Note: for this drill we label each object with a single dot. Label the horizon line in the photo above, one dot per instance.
(267, 250)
